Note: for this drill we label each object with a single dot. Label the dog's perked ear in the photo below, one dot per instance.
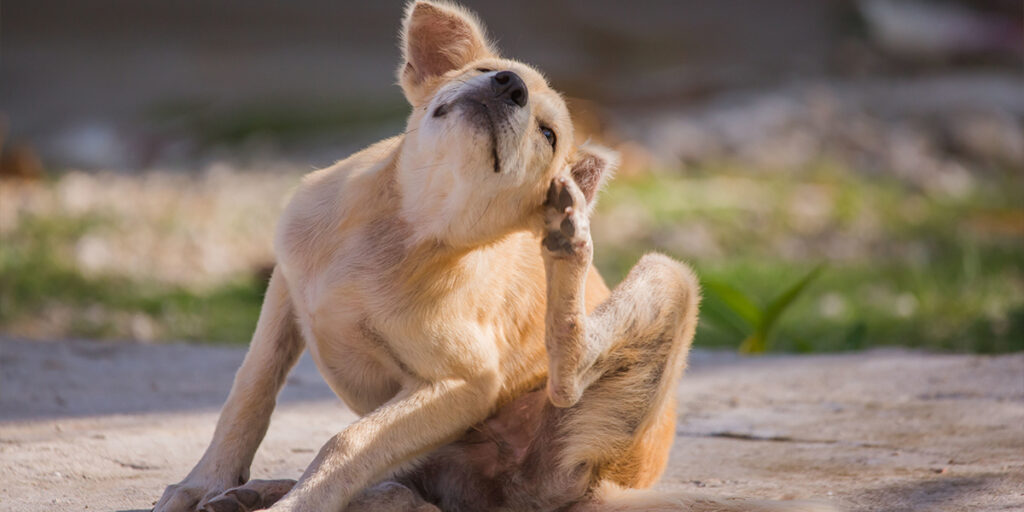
(591, 167)
(437, 38)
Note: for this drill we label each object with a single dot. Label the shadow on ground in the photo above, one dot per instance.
(78, 378)
(947, 493)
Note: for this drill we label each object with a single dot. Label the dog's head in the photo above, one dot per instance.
(486, 134)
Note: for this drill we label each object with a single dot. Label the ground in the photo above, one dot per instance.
(98, 426)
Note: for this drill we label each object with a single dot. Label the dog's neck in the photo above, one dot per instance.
(445, 212)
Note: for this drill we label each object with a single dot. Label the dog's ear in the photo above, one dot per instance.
(591, 167)
(437, 38)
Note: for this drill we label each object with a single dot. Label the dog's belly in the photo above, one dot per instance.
(508, 462)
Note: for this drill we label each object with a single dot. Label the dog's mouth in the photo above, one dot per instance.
(493, 132)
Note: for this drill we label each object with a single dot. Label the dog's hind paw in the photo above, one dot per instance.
(567, 228)
(254, 495)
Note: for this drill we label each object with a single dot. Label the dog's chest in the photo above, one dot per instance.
(364, 323)
(378, 314)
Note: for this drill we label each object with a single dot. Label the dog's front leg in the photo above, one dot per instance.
(568, 253)
(243, 422)
(417, 420)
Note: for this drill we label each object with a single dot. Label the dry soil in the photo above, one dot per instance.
(91, 426)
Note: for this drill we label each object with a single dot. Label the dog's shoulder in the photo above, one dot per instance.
(333, 201)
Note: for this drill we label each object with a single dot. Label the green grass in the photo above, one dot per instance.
(41, 292)
(904, 266)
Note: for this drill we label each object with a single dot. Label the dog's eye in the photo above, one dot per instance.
(484, 70)
(549, 134)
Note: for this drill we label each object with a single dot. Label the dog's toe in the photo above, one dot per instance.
(254, 495)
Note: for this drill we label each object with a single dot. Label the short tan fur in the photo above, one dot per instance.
(442, 282)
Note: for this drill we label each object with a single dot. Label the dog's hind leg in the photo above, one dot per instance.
(618, 395)
(655, 305)
(614, 372)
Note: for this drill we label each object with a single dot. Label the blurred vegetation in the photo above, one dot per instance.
(849, 174)
(40, 284)
(759, 322)
(903, 265)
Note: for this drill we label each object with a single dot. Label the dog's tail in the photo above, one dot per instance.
(612, 498)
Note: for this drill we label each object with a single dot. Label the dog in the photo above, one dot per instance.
(442, 281)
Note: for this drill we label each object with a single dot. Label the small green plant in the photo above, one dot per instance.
(732, 309)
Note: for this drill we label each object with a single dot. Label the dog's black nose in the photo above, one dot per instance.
(509, 87)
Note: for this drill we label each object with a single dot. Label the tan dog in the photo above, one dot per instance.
(436, 277)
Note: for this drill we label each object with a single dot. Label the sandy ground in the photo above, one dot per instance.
(89, 426)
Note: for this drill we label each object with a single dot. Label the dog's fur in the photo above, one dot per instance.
(439, 278)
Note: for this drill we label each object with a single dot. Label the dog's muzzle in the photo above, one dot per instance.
(503, 95)
(496, 106)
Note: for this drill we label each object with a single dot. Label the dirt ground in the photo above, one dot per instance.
(90, 426)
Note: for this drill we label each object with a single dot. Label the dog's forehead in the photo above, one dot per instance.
(527, 72)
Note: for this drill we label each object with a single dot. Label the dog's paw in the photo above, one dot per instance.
(254, 495)
(181, 497)
(567, 228)
(187, 495)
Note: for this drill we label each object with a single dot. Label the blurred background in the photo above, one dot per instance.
(842, 173)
